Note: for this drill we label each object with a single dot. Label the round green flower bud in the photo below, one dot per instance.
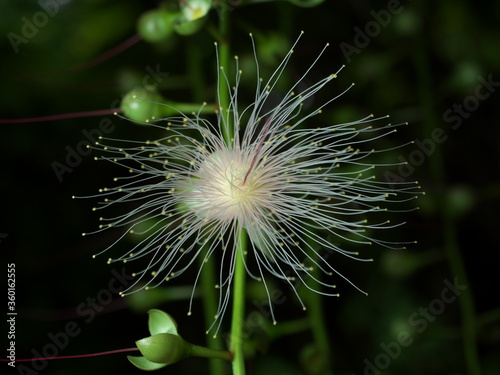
(156, 25)
(164, 348)
(143, 105)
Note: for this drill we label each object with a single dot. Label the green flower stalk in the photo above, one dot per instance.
(291, 184)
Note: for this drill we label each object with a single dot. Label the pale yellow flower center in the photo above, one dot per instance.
(231, 185)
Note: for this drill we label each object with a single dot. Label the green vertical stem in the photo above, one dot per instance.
(315, 312)
(286, 19)
(438, 172)
(466, 299)
(208, 279)
(195, 69)
(238, 314)
(224, 100)
(210, 297)
(238, 311)
(316, 316)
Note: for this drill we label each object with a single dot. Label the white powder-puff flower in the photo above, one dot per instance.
(305, 194)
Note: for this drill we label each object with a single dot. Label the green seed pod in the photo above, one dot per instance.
(143, 105)
(156, 25)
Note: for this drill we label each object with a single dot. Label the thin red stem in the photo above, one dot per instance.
(108, 54)
(259, 148)
(73, 356)
(101, 112)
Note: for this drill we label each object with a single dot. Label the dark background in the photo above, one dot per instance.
(428, 59)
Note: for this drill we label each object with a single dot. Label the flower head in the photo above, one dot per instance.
(301, 191)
